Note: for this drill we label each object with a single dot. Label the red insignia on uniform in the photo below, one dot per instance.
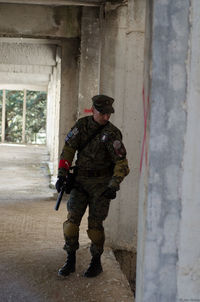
(64, 164)
(119, 148)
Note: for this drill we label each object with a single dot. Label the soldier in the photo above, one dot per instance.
(101, 166)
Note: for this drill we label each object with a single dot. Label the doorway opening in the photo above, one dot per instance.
(23, 116)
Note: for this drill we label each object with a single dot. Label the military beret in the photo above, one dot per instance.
(103, 103)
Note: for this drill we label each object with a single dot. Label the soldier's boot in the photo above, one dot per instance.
(69, 266)
(95, 267)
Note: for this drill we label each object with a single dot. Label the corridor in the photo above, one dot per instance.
(31, 239)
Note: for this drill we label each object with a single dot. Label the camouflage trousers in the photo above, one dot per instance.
(87, 193)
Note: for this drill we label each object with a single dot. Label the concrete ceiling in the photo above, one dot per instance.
(25, 64)
(57, 2)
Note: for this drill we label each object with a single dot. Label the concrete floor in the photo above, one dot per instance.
(31, 239)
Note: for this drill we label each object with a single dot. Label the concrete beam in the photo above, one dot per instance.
(39, 21)
(29, 41)
(23, 86)
(27, 54)
(34, 69)
(12, 78)
(57, 2)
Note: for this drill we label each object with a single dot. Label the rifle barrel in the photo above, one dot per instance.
(59, 199)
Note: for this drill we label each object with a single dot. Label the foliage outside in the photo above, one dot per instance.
(35, 126)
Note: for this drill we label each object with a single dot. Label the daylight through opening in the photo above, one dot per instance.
(23, 116)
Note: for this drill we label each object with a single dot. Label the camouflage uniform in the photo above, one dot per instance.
(101, 164)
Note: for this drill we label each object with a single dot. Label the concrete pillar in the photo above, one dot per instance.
(69, 88)
(89, 58)
(24, 118)
(62, 100)
(53, 112)
(122, 78)
(3, 120)
(189, 247)
(161, 196)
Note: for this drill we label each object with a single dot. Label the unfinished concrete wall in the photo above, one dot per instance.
(162, 203)
(122, 78)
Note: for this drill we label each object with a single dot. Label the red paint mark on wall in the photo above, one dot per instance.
(144, 144)
(87, 110)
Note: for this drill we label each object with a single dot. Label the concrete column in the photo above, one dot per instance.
(53, 111)
(3, 121)
(69, 88)
(122, 78)
(161, 201)
(89, 58)
(24, 118)
(189, 250)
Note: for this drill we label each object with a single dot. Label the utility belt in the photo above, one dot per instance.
(95, 173)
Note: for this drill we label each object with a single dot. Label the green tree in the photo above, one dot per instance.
(35, 115)
(13, 122)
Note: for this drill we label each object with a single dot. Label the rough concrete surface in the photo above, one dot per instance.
(31, 239)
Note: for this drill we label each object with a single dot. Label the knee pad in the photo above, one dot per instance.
(70, 229)
(96, 236)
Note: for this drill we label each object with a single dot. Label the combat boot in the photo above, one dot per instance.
(69, 266)
(94, 268)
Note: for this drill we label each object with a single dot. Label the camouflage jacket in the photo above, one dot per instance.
(104, 151)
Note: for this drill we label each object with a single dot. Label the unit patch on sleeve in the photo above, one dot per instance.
(71, 134)
(119, 148)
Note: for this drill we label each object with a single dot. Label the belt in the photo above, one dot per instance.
(95, 173)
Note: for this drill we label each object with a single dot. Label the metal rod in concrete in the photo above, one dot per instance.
(3, 122)
(24, 118)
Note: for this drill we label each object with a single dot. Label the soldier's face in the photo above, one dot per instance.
(99, 117)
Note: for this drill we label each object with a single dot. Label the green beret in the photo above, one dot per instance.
(103, 103)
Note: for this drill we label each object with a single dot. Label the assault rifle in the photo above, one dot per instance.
(68, 185)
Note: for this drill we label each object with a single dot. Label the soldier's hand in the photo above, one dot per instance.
(60, 183)
(110, 193)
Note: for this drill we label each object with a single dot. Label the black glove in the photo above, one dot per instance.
(69, 182)
(110, 193)
(60, 182)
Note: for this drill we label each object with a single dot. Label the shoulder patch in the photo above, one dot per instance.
(119, 148)
(71, 134)
(75, 131)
